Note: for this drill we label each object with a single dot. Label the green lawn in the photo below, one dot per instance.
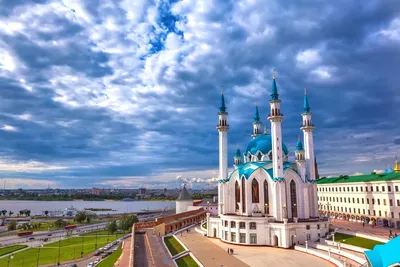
(356, 241)
(69, 249)
(204, 225)
(186, 261)
(110, 260)
(173, 245)
(6, 250)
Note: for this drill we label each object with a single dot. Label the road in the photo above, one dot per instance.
(55, 234)
(84, 263)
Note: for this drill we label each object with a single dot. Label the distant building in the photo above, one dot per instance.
(371, 198)
(95, 191)
(142, 191)
(184, 201)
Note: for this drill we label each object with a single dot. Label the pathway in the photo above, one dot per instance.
(378, 231)
(213, 252)
(159, 252)
(208, 253)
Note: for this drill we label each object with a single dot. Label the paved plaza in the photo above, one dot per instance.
(213, 252)
(378, 231)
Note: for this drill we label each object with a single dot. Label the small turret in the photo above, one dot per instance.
(396, 166)
(237, 159)
(299, 154)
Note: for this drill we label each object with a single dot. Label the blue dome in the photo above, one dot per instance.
(299, 146)
(262, 143)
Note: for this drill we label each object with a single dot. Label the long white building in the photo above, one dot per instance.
(372, 198)
(267, 199)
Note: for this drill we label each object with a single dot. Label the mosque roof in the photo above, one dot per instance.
(360, 178)
(262, 143)
(184, 195)
(384, 255)
(237, 153)
(246, 169)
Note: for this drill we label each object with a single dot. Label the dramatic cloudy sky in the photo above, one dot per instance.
(125, 93)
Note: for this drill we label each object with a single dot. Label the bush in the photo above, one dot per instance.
(12, 226)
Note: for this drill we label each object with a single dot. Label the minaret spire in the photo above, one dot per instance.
(311, 172)
(223, 107)
(396, 166)
(306, 106)
(274, 91)
(223, 128)
(256, 123)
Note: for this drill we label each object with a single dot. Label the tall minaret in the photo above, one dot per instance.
(256, 124)
(308, 128)
(222, 128)
(275, 117)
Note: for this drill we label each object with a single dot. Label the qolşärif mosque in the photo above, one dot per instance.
(267, 199)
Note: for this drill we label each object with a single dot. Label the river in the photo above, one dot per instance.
(38, 207)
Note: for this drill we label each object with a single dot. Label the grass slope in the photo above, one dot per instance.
(356, 241)
(69, 249)
(186, 261)
(173, 245)
(110, 260)
(6, 250)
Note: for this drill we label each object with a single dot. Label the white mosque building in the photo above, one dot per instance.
(268, 199)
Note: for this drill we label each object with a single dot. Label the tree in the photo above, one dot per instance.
(46, 212)
(127, 222)
(112, 227)
(12, 226)
(10, 213)
(80, 216)
(21, 212)
(60, 223)
(28, 212)
(4, 212)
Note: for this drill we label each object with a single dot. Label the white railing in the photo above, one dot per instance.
(319, 254)
(337, 251)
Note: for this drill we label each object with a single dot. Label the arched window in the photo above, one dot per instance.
(259, 156)
(237, 195)
(270, 155)
(293, 198)
(255, 191)
(243, 195)
(266, 197)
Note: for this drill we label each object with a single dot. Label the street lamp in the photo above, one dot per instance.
(38, 255)
(59, 247)
(10, 258)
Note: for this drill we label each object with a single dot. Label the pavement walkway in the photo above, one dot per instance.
(378, 231)
(158, 251)
(123, 260)
(213, 252)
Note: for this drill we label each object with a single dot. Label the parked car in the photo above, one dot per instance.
(31, 238)
(73, 265)
(97, 253)
(49, 234)
(90, 264)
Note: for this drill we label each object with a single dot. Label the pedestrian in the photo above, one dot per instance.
(363, 224)
(228, 251)
(390, 232)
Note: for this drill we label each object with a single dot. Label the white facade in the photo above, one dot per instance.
(369, 202)
(267, 200)
(183, 206)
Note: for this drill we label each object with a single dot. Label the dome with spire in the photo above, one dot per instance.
(237, 153)
(299, 146)
(262, 143)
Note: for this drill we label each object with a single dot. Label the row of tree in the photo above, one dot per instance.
(124, 224)
(21, 212)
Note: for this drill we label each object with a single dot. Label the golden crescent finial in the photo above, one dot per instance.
(222, 89)
(273, 73)
(305, 91)
(265, 129)
(256, 103)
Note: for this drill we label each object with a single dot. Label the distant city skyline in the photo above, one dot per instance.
(126, 94)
